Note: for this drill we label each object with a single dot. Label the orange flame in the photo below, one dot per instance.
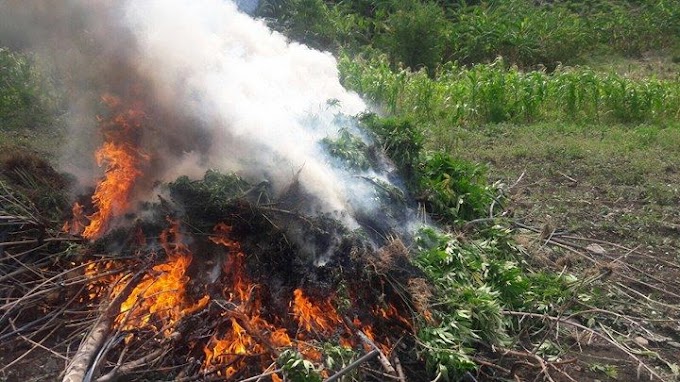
(246, 333)
(310, 315)
(111, 197)
(76, 225)
(391, 312)
(237, 342)
(101, 275)
(122, 160)
(234, 267)
(162, 294)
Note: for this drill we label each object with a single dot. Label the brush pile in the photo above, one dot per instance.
(205, 285)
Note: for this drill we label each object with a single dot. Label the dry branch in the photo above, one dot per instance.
(89, 347)
(365, 358)
(593, 332)
(41, 241)
(263, 375)
(384, 361)
(399, 368)
(127, 368)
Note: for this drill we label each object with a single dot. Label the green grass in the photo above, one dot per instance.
(627, 175)
(48, 141)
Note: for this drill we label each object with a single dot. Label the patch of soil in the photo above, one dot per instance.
(620, 226)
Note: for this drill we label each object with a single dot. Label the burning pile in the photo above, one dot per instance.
(213, 288)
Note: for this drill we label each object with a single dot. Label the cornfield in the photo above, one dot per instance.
(493, 93)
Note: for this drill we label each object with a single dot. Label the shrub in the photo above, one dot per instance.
(520, 32)
(401, 139)
(305, 21)
(454, 189)
(23, 103)
(415, 36)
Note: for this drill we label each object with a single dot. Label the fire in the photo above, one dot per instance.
(247, 337)
(101, 275)
(123, 162)
(391, 312)
(234, 267)
(239, 339)
(312, 316)
(111, 197)
(162, 295)
(77, 223)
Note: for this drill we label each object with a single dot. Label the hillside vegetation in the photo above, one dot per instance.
(542, 138)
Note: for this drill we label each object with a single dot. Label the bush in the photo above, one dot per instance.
(415, 36)
(633, 28)
(520, 32)
(401, 139)
(23, 103)
(454, 189)
(305, 21)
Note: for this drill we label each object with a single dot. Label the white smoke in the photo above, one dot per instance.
(249, 85)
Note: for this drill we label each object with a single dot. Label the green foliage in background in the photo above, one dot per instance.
(305, 21)
(415, 35)
(519, 31)
(24, 99)
(427, 34)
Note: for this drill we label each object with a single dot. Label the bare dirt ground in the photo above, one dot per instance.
(590, 204)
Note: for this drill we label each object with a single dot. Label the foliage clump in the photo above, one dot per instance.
(453, 189)
(24, 98)
(349, 149)
(207, 199)
(476, 280)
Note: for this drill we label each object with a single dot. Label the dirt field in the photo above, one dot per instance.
(612, 195)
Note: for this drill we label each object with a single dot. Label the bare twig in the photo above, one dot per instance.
(75, 371)
(593, 332)
(365, 358)
(540, 362)
(384, 361)
(127, 368)
(398, 368)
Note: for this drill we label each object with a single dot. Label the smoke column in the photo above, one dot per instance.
(249, 86)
